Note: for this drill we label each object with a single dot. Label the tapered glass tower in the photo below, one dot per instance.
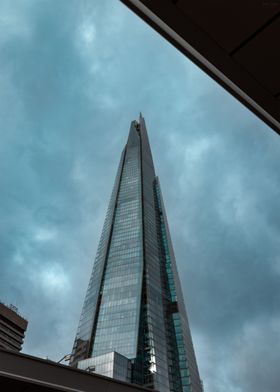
(134, 325)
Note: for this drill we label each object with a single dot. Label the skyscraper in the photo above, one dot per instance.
(134, 324)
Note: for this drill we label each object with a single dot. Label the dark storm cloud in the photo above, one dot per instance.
(73, 76)
(229, 244)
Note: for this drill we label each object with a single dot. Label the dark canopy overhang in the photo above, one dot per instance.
(237, 43)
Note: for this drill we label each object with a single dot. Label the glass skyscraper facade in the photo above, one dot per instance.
(134, 305)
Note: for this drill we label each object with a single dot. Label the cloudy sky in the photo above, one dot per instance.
(73, 74)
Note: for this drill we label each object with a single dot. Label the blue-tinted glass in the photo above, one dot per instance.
(134, 304)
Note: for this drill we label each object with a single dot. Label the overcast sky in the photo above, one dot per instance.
(73, 75)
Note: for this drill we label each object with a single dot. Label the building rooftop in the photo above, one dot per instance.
(11, 313)
(12, 328)
(21, 372)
